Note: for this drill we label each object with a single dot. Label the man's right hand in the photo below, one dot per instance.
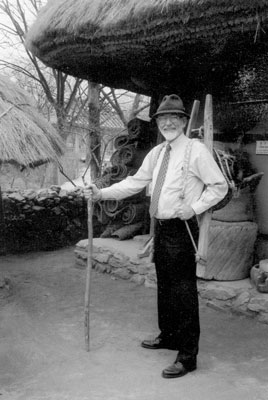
(92, 192)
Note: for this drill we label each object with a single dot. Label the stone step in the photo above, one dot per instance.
(119, 258)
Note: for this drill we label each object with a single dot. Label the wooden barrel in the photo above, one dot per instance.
(231, 248)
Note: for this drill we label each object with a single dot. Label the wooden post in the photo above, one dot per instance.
(205, 218)
(208, 123)
(193, 117)
(92, 140)
(93, 137)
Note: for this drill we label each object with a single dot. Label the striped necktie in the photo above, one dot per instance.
(160, 181)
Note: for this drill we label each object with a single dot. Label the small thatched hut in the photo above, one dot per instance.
(26, 137)
(154, 46)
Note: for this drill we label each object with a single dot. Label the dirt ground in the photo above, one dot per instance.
(42, 351)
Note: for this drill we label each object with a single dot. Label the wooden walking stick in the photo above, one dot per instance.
(89, 268)
(205, 218)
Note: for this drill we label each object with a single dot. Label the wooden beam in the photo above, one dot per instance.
(205, 218)
(193, 117)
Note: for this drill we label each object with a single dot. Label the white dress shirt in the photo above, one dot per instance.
(205, 184)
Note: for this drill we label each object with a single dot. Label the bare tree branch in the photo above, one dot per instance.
(73, 95)
(115, 105)
(58, 94)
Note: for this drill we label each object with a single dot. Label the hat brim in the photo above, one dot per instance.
(184, 114)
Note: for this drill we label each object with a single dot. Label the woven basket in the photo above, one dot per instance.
(231, 247)
(239, 209)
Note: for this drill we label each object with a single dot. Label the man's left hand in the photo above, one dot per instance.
(185, 212)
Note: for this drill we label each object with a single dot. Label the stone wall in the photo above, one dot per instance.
(119, 259)
(45, 219)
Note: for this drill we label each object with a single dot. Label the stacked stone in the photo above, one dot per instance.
(44, 219)
(239, 297)
(107, 258)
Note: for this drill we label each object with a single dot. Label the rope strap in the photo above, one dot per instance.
(186, 166)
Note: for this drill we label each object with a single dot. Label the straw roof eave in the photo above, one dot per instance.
(26, 137)
(138, 45)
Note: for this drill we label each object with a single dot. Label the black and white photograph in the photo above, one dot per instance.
(133, 199)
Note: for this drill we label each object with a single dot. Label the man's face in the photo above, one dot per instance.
(171, 126)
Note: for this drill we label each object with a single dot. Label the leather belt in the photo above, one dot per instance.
(168, 221)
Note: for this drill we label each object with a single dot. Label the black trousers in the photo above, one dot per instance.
(178, 312)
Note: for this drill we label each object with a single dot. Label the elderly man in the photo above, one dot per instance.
(204, 186)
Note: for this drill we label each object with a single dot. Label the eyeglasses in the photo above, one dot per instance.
(164, 118)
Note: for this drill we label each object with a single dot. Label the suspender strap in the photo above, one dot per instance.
(186, 165)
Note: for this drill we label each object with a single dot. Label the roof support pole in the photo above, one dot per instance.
(93, 137)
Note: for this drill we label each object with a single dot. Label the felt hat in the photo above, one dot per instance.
(171, 104)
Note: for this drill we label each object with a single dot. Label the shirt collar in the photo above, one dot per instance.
(179, 141)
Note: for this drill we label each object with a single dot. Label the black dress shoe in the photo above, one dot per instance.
(177, 370)
(157, 343)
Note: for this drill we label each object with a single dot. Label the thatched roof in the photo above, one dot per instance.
(26, 137)
(152, 46)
